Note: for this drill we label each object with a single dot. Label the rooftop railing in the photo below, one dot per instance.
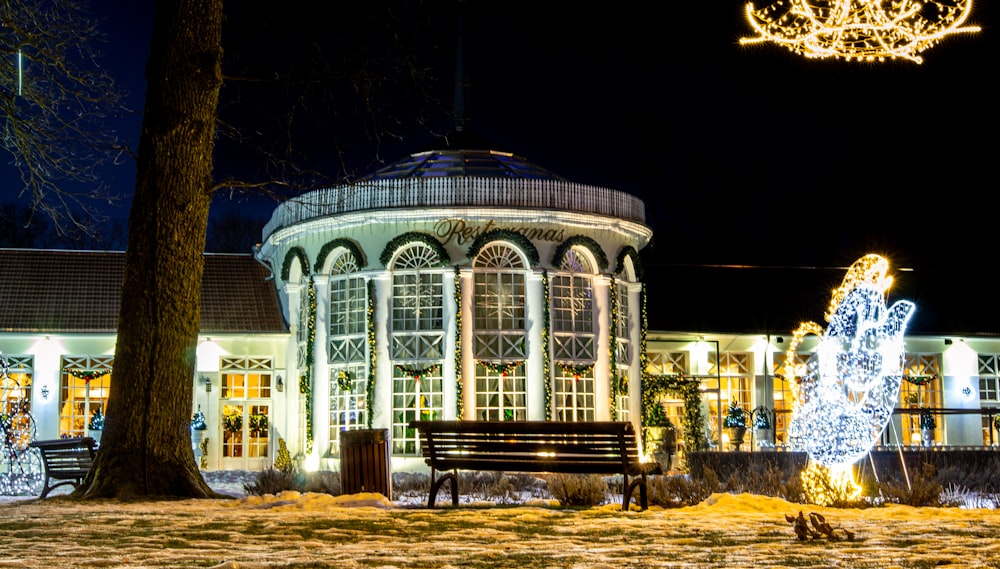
(456, 192)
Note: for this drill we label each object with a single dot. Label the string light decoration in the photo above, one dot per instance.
(460, 405)
(613, 349)
(845, 396)
(546, 344)
(305, 380)
(859, 30)
(372, 357)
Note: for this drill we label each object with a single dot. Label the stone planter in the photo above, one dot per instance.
(763, 438)
(736, 435)
(927, 437)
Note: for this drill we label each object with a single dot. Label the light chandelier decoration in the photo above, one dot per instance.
(860, 30)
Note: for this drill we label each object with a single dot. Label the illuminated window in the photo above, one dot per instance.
(16, 396)
(574, 396)
(417, 342)
(500, 396)
(735, 373)
(414, 395)
(246, 389)
(660, 362)
(989, 392)
(498, 297)
(784, 395)
(84, 385)
(347, 349)
(348, 311)
(920, 389)
(246, 378)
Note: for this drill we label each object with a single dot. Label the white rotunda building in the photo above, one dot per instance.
(457, 284)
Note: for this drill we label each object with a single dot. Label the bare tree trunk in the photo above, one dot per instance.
(146, 445)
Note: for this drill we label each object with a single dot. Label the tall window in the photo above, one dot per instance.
(784, 395)
(348, 348)
(989, 392)
(83, 392)
(661, 362)
(574, 395)
(305, 316)
(501, 393)
(498, 296)
(920, 389)
(573, 338)
(623, 355)
(16, 401)
(573, 309)
(735, 372)
(417, 341)
(246, 392)
(416, 394)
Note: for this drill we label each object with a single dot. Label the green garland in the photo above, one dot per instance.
(546, 347)
(576, 370)
(689, 390)
(370, 387)
(459, 405)
(581, 241)
(88, 375)
(629, 251)
(500, 368)
(292, 254)
(411, 237)
(348, 244)
(613, 355)
(919, 379)
(305, 380)
(520, 241)
(417, 373)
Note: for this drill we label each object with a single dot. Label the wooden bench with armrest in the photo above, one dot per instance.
(66, 461)
(534, 446)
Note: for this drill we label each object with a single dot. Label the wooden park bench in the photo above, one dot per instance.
(66, 461)
(533, 446)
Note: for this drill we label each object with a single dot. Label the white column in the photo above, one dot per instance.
(534, 366)
(602, 340)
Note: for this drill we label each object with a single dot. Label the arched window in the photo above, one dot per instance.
(499, 333)
(347, 347)
(573, 337)
(417, 338)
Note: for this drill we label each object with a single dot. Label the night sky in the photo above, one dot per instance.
(743, 155)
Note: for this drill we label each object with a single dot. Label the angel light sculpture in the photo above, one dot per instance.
(850, 385)
(862, 30)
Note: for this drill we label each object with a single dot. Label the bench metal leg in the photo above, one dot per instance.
(630, 487)
(436, 485)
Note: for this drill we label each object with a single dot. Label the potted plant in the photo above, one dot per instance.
(659, 435)
(762, 426)
(735, 424)
(96, 426)
(198, 428)
(927, 426)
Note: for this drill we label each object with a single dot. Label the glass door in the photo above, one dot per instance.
(245, 436)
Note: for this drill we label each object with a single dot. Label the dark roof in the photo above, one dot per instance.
(741, 299)
(462, 163)
(79, 292)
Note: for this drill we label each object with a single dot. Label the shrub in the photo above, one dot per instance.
(270, 481)
(578, 490)
(677, 491)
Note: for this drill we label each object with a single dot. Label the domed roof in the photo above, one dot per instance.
(462, 164)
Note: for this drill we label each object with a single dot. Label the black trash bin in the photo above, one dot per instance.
(364, 462)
